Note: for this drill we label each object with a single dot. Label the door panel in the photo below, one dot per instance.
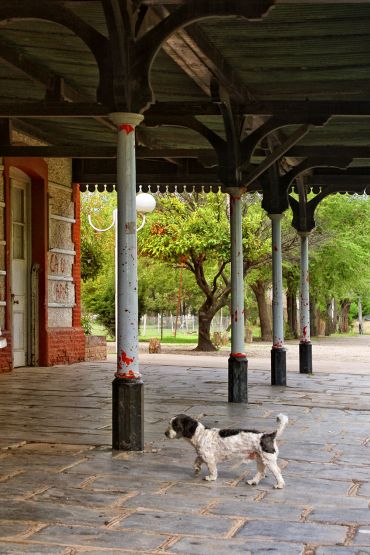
(20, 269)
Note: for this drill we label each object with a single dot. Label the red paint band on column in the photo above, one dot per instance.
(238, 355)
(126, 128)
(130, 375)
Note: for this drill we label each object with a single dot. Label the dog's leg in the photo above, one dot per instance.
(260, 472)
(271, 464)
(212, 467)
(197, 464)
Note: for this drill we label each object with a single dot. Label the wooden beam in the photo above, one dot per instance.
(51, 110)
(163, 112)
(277, 153)
(327, 151)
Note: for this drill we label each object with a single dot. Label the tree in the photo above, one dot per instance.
(339, 265)
(192, 230)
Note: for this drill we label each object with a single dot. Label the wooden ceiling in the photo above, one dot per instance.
(228, 88)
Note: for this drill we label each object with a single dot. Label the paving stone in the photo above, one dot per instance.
(302, 451)
(362, 536)
(253, 510)
(49, 512)
(171, 523)
(166, 502)
(11, 529)
(28, 482)
(364, 489)
(26, 548)
(342, 550)
(296, 532)
(123, 484)
(86, 498)
(340, 515)
(200, 546)
(331, 471)
(98, 537)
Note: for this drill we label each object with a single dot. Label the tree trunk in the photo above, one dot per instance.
(344, 321)
(259, 290)
(204, 332)
(291, 298)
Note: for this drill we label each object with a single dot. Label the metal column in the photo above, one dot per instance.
(128, 388)
(305, 345)
(238, 363)
(278, 353)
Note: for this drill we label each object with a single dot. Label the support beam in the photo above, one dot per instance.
(278, 352)
(277, 154)
(238, 363)
(305, 345)
(128, 388)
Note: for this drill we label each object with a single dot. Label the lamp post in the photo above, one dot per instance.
(145, 204)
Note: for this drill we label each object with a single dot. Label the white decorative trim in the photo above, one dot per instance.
(2, 303)
(62, 218)
(2, 204)
(2, 242)
(61, 305)
(53, 277)
(62, 251)
(2, 272)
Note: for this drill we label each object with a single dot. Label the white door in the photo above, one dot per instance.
(20, 267)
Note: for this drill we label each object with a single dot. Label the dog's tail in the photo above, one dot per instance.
(282, 420)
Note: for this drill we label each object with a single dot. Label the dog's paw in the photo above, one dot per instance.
(252, 482)
(197, 470)
(210, 478)
(280, 485)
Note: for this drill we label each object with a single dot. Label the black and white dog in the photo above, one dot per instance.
(214, 445)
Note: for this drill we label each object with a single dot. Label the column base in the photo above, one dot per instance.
(278, 366)
(127, 414)
(305, 358)
(238, 380)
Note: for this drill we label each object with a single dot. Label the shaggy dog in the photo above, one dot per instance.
(214, 445)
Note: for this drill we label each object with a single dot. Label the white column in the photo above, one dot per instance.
(237, 278)
(277, 284)
(127, 288)
(304, 298)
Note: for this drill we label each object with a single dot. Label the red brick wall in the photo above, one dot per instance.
(66, 345)
(6, 360)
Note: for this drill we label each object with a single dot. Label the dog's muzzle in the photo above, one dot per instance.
(170, 433)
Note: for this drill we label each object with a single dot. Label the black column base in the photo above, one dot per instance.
(128, 414)
(278, 366)
(238, 380)
(305, 358)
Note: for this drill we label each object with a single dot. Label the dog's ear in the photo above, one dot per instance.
(189, 427)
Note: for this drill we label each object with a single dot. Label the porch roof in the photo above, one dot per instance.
(296, 76)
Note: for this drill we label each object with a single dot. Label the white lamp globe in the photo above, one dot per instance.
(145, 203)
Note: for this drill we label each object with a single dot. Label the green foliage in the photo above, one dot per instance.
(87, 323)
(97, 249)
(340, 262)
(92, 261)
(99, 299)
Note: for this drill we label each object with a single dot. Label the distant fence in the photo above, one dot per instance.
(184, 324)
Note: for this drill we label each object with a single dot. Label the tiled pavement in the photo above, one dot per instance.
(63, 491)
